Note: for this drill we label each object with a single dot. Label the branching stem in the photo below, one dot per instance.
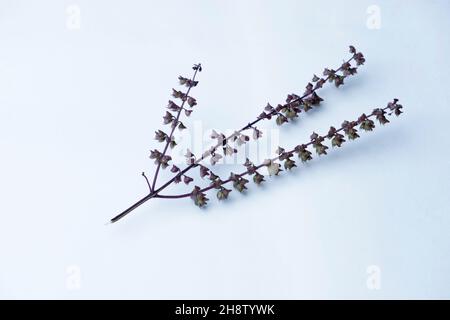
(154, 192)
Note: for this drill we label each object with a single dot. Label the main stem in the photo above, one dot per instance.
(134, 206)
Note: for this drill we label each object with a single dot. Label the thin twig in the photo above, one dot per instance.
(148, 183)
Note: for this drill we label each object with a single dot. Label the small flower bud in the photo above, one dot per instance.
(168, 118)
(303, 153)
(181, 126)
(337, 140)
(160, 136)
(281, 119)
(187, 179)
(204, 171)
(223, 193)
(289, 164)
(199, 197)
(258, 178)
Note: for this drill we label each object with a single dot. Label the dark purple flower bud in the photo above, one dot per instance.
(345, 66)
(155, 154)
(172, 106)
(320, 148)
(313, 136)
(164, 161)
(181, 126)
(233, 176)
(268, 108)
(362, 118)
(178, 94)
(352, 49)
(291, 113)
(204, 171)
(281, 119)
(191, 83)
(359, 58)
(191, 102)
(380, 115)
(284, 155)
(338, 81)
(197, 67)
(337, 140)
(212, 176)
(393, 106)
(303, 153)
(199, 197)
(349, 129)
(263, 115)
(187, 179)
(315, 99)
(258, 178)
(223, 193)
(330, 73)
(172, 143)
(160, 136)
(289, 164)
(331, 132)
(319, 84)
(182, 80)
(398, 110)
(239, 184)
(174, 169)
(315, 78)
(168, 118)
(216, 184)
(177, 179)
(365, 123)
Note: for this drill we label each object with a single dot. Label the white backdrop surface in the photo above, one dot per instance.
(78, 108)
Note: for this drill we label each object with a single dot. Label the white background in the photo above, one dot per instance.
(78, 108)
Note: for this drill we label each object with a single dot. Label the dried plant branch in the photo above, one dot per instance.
(184, 97)
(304, 154)
(282, 113)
